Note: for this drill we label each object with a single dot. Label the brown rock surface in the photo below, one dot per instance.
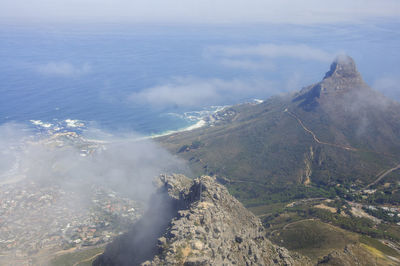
(209, 227)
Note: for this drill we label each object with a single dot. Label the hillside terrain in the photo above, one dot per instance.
(319, 167)
(337, 131)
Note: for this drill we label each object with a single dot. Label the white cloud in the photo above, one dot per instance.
(293, 82)
(189, 91)
(264, 56)
(62, 69)
(205, 11)
(389, 86)
(121, 163)
(247, 64)
(269, 50)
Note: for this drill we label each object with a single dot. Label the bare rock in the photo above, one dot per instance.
(210, 227)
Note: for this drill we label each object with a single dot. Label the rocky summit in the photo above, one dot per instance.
(342, 78)
(205, 225)
(343, 67)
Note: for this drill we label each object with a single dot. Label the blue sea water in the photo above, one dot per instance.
(88, 72)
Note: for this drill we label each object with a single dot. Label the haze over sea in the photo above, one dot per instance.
(152, 78)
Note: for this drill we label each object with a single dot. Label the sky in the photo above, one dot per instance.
(196, 11)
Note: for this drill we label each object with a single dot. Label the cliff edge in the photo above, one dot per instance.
(198, 223)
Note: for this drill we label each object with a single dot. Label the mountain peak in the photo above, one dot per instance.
(343, 77)
(343, 67)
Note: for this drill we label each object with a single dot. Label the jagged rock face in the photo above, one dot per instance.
(342, 80)
(343, 75)
(343, 67)
(210, 228)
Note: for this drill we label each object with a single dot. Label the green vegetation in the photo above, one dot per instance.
(383, 215)
(343, 220)
(354, 224)
(79, 258)
(315, 232)
(389, 195)
(378, 245)
(313, 238)
(263, 150)
(195, 145)
(263, 210)
(184, 148)
(281, 137)
(255, 194)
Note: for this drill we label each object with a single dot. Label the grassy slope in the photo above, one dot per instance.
(263, 149)
(248, 148)
(316, 232)
(313, 238)
(80, 257)
(316, 239)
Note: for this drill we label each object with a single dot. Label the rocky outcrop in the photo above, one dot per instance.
(343, 67)
(343, 77)
(208, 227)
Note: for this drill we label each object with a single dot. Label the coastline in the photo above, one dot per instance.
(60, 127)
(201, 123)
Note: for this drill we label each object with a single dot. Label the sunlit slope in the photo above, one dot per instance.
(338, 130)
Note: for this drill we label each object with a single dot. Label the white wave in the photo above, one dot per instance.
(74, 123)
(47, 125)
(201, 114)
(199, 124)
(36, 122)
(198, 116)
(40, 123)
(174, 115)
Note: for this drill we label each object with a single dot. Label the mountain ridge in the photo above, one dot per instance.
(210, 227)
(357, 128)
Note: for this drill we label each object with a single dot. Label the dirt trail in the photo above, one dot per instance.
(88, 259)
(381, 176)
(315, 137)
(287, 225)
(299, 221)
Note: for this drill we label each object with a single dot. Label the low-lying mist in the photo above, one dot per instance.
(64, 190)
(125, 163)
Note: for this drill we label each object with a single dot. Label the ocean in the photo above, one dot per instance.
(78, 76)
